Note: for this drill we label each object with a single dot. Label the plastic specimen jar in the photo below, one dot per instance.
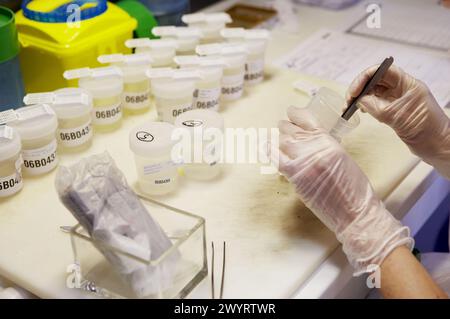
(10, 162)
(233, 77)
(106, 87)
(136, 86)
(204, 128)
(255, 42)
(172, 98)
(173, 90)
(73, 108)
(37, 125)
(208, 88)
(187, 38)
(152, 145)
(254, 67)
(327, 107)
(209, 23)
(235, 57)
(161, 51)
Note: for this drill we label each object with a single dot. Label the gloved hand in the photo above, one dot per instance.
(406, 104)
(332, 185)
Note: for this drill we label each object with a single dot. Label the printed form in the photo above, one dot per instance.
(341, 57)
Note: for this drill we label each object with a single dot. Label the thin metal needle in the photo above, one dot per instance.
(212, 270)
(223, 270)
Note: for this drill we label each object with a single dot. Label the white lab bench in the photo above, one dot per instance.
(323, 271)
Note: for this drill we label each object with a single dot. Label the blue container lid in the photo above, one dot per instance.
(63, 13)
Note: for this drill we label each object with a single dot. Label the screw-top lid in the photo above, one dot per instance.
(88, 9)
(67, 103)
(200, 119)
(10, 143)
(152, 139)
(35, 121)
(9, 47)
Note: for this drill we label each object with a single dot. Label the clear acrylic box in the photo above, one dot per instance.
(185, 230)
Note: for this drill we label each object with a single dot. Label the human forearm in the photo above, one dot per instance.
(402, 276)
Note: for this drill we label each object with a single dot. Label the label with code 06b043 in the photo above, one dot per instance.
(76, 136)
(104, 115)
(40, 160)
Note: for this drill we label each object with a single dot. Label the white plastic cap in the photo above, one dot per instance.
(173, 74)
(154, 44)
(209, 18)
(220, 49)
(92, 72)
(10, 143)
(177, 32)
(200, 119)
(152, 139)
(202, 61)
(67, 102)
(126, 59)
(35, 121)
(245, 34)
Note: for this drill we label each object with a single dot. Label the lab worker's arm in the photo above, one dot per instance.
(332, 185)
(402, 276)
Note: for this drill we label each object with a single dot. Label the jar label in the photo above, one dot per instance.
(40, 160)
(136, 100)
(104, 115)
(254, 71)
(169, 113)
(207, 98)
(159, 167)
(75, 136)
(232, 86)
(11, 184)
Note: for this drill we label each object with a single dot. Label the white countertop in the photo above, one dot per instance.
(274, 244)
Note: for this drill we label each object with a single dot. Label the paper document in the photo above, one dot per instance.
(341, 57)
(425, 24)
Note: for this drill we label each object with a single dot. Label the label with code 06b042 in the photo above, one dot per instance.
(254, 71)
(169, 113)
(232, 86)
(13, 183)
(40, 160)
(207, 98)
(136, 100)
(75, 136)
(104, 115)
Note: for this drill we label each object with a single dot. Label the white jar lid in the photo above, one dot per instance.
(35, 121)
(102, 87)
(67, 103)
(10, 143)
(152, 139)
(255, 47)
(200, 118)
(66, 110)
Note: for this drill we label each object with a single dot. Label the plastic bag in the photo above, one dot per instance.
(97, 194)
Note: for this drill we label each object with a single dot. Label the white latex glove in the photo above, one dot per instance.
(407, 105)
(332, 185)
